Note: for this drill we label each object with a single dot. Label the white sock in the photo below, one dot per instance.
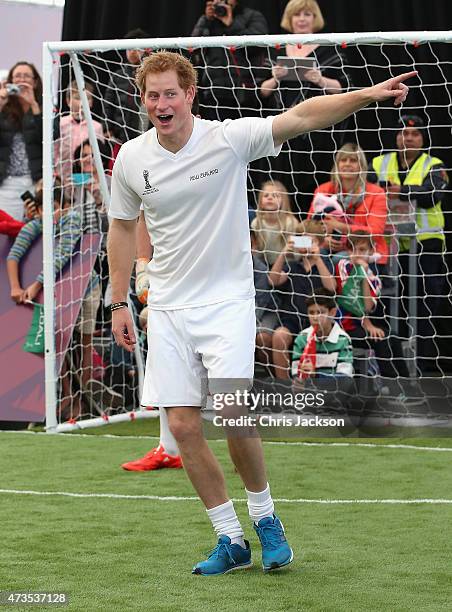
(260, 505)
(225, 522)
(167, 439)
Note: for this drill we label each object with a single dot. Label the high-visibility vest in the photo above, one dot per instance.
(429, 221)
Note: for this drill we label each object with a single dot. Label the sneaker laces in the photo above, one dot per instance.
(151, 453)
(271, 535)
(219, 548)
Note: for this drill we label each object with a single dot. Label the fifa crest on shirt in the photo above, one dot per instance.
(148, 188)
(146, 179)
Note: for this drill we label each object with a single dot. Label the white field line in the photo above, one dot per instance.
(171, 498)
(275, 443)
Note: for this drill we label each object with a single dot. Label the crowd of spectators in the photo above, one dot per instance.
(322, 258)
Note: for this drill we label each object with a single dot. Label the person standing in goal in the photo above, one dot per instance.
(191, 176)
(166, 454)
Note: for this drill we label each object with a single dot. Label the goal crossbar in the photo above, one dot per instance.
(188, 42)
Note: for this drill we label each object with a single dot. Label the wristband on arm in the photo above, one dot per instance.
(118, 305)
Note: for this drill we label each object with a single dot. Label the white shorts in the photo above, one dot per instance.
(188, 346)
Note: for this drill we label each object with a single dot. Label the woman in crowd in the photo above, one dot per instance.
(364, 204)
(20, 136)
(310, 153)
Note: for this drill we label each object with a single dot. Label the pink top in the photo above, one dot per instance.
(72, 134)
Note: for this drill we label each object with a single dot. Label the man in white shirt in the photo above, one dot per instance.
(191, 175)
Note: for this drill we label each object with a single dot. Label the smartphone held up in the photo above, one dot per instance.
(302, 242)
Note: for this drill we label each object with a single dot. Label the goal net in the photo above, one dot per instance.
(360, 210)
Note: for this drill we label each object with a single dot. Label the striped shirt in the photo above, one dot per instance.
(334, 354)
(67, 235)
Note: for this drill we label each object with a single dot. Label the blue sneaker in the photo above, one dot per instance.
(224, 558)
(276, 552)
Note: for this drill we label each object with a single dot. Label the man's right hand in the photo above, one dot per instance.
(393, 88)
(122, 328)
(209, 12)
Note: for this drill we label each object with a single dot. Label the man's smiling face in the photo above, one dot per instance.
(168, 106)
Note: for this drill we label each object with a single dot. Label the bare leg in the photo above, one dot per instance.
(263, 348)
(282, 341)
(248, 457)
(199, 462)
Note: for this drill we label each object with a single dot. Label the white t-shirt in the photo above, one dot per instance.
(196, 209)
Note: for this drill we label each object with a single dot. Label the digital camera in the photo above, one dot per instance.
(13, 90)
(220, 9)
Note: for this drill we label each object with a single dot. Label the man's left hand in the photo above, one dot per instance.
(392, 88)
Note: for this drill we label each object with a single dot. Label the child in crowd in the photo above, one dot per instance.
(274, 222)
(358, 289)
(73, 130)
(67, 233)
(86, 193)
(297, 272)
(324, 348)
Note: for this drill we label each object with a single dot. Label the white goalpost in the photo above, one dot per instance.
(91, 106)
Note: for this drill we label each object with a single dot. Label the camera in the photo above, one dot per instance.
(220, 9)
(12, 90)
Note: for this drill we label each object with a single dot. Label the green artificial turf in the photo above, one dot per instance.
(136, 554)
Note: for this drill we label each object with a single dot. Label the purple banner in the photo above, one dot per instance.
(22, 374)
